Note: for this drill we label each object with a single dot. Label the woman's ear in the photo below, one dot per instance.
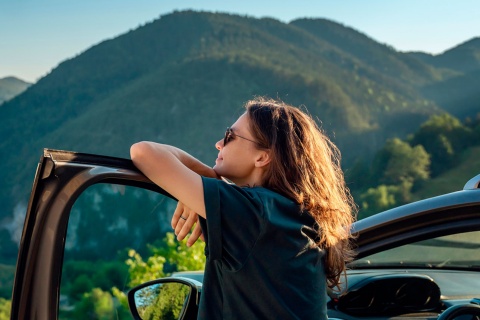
(263, 159)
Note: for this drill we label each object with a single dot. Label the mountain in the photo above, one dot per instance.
(458, 92)
(380, 58)
(464, 58)
(458, 95)
(184, 77)
(10, 87)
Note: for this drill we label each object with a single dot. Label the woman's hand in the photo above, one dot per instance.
(182, 222)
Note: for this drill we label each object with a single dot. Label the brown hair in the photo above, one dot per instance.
(305, 167)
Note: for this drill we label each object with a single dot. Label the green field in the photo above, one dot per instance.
(455, 179)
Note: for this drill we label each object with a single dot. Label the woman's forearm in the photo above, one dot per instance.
(173, 170)
(191, 162)
(155, 150)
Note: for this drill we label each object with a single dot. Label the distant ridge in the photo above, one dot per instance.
(463, 58)
(10, 87)
(458, 92)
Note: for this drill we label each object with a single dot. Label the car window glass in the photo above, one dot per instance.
(460, 250)
(106, 221)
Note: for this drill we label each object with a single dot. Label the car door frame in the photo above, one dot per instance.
(61, 176)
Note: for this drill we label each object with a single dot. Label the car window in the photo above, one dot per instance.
(461, 250)
(106, 221)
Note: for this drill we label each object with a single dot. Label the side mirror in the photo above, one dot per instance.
(168, 298)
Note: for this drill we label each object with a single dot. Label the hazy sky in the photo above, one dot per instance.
(36, 35)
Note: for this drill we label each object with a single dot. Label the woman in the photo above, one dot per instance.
(276, 236)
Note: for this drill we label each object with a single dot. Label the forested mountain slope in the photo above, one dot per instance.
(183, 78)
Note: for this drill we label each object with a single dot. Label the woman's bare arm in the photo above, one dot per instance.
(173, 170)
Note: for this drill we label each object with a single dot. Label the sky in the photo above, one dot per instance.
(36, 35)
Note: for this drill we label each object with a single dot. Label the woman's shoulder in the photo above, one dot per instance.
(270, 194)
(258, 194)
(278, 206)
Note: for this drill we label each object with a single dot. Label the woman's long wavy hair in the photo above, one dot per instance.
(305, 167)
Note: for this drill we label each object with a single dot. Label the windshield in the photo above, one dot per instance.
(455, 251)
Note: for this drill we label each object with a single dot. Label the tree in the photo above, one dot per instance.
(383, 197)
(397, 167)
(142, 271)
(173, 256)
(442, 136)
(398, 162)
(179, 256)
(377, 199)
(80, 285)
(96, 304)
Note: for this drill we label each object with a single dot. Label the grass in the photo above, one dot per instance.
(454, 179)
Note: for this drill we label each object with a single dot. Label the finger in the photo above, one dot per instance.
(196, 233)
(179, 227)
(177, 214)
(187, 225)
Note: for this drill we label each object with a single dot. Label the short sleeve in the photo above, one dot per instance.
(234, 222)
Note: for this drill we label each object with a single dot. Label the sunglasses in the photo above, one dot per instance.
(230, 135)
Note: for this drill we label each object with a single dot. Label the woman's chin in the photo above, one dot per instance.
(217, 168)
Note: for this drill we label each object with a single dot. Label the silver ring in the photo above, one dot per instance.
(182, 217)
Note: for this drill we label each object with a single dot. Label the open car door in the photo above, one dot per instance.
(59, 180)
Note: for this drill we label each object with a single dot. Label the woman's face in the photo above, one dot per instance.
(236, 159)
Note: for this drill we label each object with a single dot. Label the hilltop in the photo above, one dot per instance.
(10, 87)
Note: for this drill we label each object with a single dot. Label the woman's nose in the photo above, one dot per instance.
(219, 144)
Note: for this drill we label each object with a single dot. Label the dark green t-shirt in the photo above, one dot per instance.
(261, 259)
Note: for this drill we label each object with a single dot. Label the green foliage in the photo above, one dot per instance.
(384, 197)
(399, 169)
(467, 166)
(122, 300)
(101, 302)
(5, 306)
(377, 199)
(96, 304)
(80, 285)
(177, 254)
(85, 281)
(163, 301)
(166, 301)
(79, 277)
(398, 162)
(443, 136)
(142, 271)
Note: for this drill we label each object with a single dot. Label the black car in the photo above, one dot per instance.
(420, 260)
